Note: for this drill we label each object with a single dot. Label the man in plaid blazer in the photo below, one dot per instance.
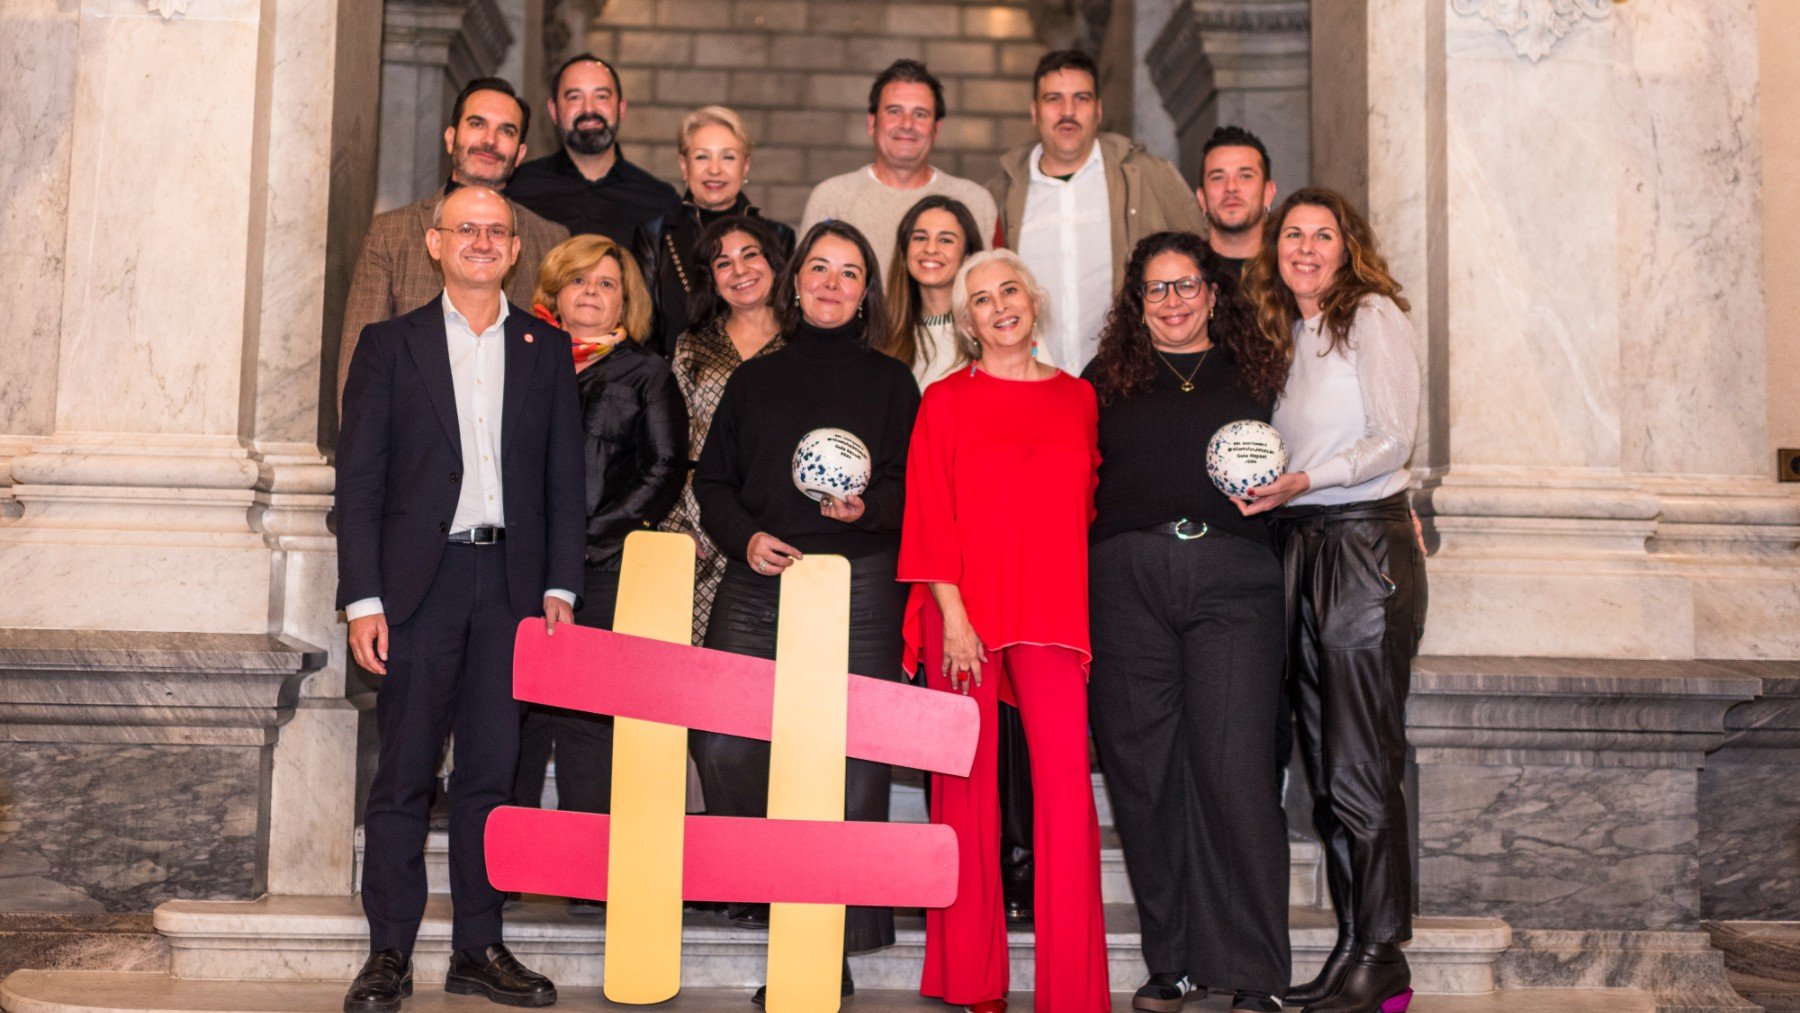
(394, 274)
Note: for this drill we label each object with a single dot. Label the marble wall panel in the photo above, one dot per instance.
(153, 309)
(1559, 847)
(1749, 838)
(286, 299)
(1533, 312)
(37, 61)
(125, 827)
(1690, 217)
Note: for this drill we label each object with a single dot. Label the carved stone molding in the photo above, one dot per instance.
(1535, 26)
(168, 8)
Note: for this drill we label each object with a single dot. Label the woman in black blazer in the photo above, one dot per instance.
(634, 448)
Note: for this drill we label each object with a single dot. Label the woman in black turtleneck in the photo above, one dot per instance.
(1186, 602)
(826, 376)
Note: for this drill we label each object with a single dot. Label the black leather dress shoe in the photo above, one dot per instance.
(385, 979)
(1018, 913)
(497, 974)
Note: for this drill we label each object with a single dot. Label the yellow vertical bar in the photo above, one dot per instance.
(806, 769)
(649, 787)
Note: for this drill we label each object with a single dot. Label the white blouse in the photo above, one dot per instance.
(936, 339)
(1350, 417)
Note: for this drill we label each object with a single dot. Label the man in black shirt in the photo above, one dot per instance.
(1235, 192)
(588, 186)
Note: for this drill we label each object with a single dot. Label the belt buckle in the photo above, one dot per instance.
(485, 534)
(1181, 529)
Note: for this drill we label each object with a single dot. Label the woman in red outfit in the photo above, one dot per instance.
(999, 494)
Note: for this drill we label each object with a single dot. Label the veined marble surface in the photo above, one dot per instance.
(37, 60)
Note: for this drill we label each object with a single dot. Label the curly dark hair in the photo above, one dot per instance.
(1126, 362)
(706, 306)
(787, 287)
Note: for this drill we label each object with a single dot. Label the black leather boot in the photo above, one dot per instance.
(385, 979)
(1378, 981)
(1330, 976)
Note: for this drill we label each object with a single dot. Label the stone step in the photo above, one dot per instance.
(907, 805)
(1762, 961)
(115, 992)
(326, 938)
(1115, 885)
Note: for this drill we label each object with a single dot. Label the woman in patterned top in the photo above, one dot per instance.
(734, 321)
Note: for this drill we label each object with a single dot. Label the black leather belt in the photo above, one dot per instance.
(482, 535)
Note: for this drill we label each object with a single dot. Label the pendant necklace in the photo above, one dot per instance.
(1187, 382)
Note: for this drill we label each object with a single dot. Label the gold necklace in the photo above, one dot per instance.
(1187, 382)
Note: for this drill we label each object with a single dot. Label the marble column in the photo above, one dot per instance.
(1242, 62)
(429, 50)
(165, 473)
(1569, 194)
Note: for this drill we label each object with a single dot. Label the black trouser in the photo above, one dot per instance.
(582, 741)
(449, 671)
(1016, 867)
(734, 772)
(1356, 604)
(1184, 690)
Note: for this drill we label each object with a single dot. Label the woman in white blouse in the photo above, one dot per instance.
(1355, 572)
(935, 237)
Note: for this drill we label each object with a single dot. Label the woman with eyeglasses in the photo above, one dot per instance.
(1187, 613)
(1355, 573)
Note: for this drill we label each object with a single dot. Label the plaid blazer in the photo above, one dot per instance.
(395, 274)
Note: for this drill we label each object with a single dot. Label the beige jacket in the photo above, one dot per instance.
(1147, 194)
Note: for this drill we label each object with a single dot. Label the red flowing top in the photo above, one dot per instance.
(1000, 483)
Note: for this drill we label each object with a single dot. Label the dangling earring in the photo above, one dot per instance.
(1034, 348)
(1210, 310)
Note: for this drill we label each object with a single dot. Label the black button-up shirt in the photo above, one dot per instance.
(613, 205)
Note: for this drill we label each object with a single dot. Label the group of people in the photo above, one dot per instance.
(549, 355)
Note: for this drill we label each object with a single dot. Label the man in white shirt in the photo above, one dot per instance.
(906, 108)
(1075, 204)
(460, 511)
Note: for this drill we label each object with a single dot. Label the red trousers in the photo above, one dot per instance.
(966, 958)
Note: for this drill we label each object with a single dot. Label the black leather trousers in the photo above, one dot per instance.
(1356, 610)
(734, 771)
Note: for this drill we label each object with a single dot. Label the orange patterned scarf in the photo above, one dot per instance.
(587, 351)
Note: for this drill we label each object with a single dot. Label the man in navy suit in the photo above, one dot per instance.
(459, 513)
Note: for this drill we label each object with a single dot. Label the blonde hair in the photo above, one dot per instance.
(967, 346)
(577, 255)
(707, 116)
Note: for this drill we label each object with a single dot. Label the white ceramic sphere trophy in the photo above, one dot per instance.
(831, 462)
(1245, 455)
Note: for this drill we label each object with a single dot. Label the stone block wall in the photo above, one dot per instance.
(799, 74)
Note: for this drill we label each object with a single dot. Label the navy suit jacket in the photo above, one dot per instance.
(400, 466)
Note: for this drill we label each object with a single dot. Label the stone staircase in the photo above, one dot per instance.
(271, 954)
(798, 71)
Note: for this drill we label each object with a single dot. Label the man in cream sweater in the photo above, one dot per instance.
(906, 106)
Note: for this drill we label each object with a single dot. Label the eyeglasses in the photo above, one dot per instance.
(1157, 291)
(468, 232)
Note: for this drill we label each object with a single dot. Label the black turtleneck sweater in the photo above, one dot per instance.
(744, 482)
(1153, 450)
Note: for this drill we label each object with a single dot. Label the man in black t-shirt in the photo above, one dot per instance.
(588, 186)
(1235, 193)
